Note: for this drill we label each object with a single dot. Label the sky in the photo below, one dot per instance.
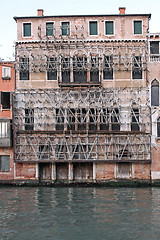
(11, 8)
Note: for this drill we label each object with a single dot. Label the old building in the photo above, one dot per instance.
(153, 80)
(7, 86)
(81, 106)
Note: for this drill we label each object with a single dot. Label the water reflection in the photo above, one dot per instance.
(79, 213)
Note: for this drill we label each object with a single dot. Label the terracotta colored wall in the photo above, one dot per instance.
(141, 171)
(105, 171)
(25, 171)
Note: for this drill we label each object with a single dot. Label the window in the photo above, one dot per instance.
(154, 47)
(3, 129)
(109, 28)
(93, 117)
(80, 152)
(93, 28)
(6, 72)
(65, 68)
(158, 127)
(29, 119)
(51, 68)
(61, 152)
(138, 27)
(81, 116)
(65, 28)
(115, 120)
(104, 119)
(26, 29)
(24, 68)
(108, 67)
(80, 69)
(70, 119)
(60, 114)
(137, 67)
(135, 120)
(44, 152)
(49, 28)
(5, 100)
(4, 163)
(94, 69)
(155, 93)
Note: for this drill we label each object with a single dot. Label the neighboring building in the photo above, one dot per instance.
(81, 107)
(7, 87)
(154, 80)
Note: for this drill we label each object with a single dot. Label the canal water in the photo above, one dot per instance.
(79, 213)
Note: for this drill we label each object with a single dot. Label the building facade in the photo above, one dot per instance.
(7, 87)
(81, 106)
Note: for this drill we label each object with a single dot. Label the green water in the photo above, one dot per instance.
(79, 213)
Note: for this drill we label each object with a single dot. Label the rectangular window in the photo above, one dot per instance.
(115, 120)
(104, 119)
(6, 72)
(108, 67)
(51, 68)
(93, 117)
(5, 100)
(137, 67)
(94, 69)
(109, 28)
(29, 119)
(80, 69)
(154, 47)
(70, 119)
(49, 29)
(3, 129)
(60, 114)
(65, 28)
(81, 116)
(135, 120)
(138, 27)
(4, 163)
(23, 68)
(93, 28)
(65, 69)
(26, 29)
(44, 152)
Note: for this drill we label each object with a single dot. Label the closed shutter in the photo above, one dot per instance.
(137, 27)
(109, 28)
(93, 28)
(26, 29)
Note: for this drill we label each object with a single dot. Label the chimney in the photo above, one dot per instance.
(40, 12)
(122, 10)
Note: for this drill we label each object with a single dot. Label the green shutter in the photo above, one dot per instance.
(49, 29)
(93, 28)
(26, 29)
(5, 163)
(65, 28)
(137, 27)
(109, 28)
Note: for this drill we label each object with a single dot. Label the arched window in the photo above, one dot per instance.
(155, 93)
(158, 127)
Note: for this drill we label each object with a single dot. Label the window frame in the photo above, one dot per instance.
(151, 86)
(109, 79)
(3, 73)
(141, 67)
(1, 163)
(113, 28)
(47, 71)
(53, 28)
(23, 29)
(137, 20)
(69, 28)
(92, 21)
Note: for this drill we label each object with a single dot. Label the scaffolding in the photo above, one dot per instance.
(82, 125)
